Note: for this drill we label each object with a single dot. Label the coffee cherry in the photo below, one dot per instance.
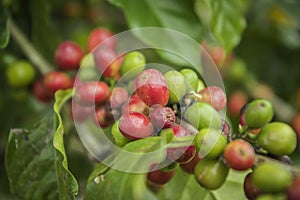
(160, 177)
(203, 115)
(20, 74)
(200, 86)
(214, 96)
(106, 62)
(277, 138)
(271, 177)
(68, 55)
(239, 155)
(80, 113)
(99, 35)
(118, 98)
(210, 143)
(133, 64)
(151, 87)
(56, 80)
(176, 85)
(225, 128)
(181, 154)
(189, 167)
(258, 113)
(135, 104)
(162, 117)
(93, 92)
(250, 190)
(210, 173)
(134, 125)
(40, 91)
(119, 139)
(293, 191)
(191, 79)
(236, 101)
(103, 117)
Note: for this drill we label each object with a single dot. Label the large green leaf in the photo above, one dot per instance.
(66, 182)
(29, 162)
(225, 19)
(179, 16)
(4, 34)
(35, 161)
(113, 183)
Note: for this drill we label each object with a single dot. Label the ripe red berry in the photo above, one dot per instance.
(250, 190)
(214, 96)
(162, 117)
(68, 55)
(160, 177)
(99, 35)
(106, 62)
(189, 167)
(93, 92)
(80, 113)
(102, 117)
(293, 191)
(118, 98)
(56, 80)
(151, 87)
(134, 125)
(181, 154)
(40, 92)
(236, 101)
(239, 155)
(135, 104)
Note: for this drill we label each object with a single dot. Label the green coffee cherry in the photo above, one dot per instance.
(277, 138)
(133, 63)
(271, 177)
(191, 78)
(258, 113)
(20, 74)
(203, 115)
(200, 86)
(176, 85)
(211, 174)
(210, 143)
(118, 137)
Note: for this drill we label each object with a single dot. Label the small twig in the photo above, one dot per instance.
(39, 62)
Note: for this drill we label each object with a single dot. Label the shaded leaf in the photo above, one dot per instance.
(29, 162)
(179, 16)
(226, 20)
(4, 34)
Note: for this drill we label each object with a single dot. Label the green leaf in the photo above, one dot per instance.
(35, 161)
(123, 182)
(179, 17)
(29, 162)
(226, 20)
(67, 184)
(4, 34)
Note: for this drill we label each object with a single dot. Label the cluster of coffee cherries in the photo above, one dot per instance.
(68, 57)
(149, 103)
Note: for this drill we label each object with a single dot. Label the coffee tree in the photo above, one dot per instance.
(149, 99)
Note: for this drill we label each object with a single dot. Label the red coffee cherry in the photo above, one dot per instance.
(134, 125)
(92, 92)
(56, 80)
(239, 155)
(99, 35)
(151, 87)
(40, 92)
(68, 55)
(162, 117)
